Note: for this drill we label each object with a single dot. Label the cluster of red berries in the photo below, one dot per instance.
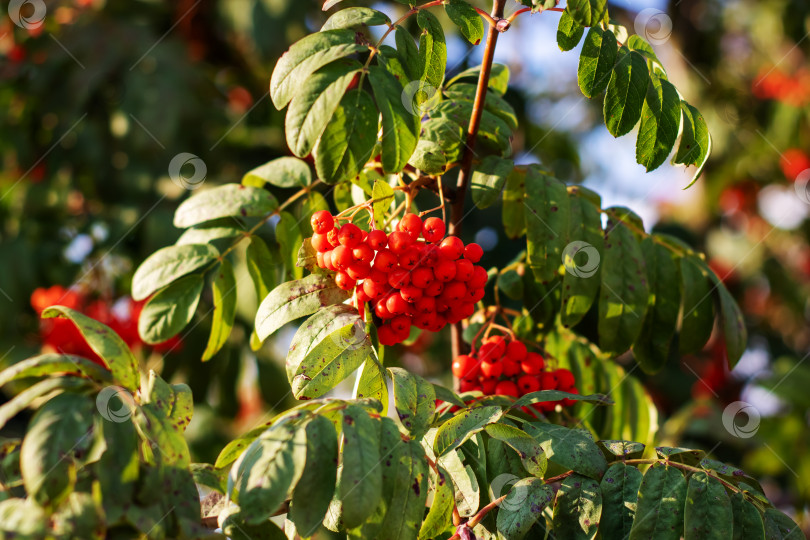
(793, 88)
(428, 282)
(507, 368)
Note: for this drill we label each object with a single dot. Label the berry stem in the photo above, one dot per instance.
(457, 210)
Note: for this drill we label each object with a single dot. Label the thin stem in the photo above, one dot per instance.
(487, 17)
(514, 15)
(457, 210)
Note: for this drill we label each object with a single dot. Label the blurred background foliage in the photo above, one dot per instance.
(96, 103)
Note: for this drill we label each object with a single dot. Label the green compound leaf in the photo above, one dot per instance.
(170, 310)
(415, 401)
(661, 500)
(660, 123)
(626, 92)
(569, 32)
(223, 289)
(577, 508)
(619, 499)
(467, 19)
(400, 127)
(596, 61)
(168, 264)
(708, 514)
(230, 200)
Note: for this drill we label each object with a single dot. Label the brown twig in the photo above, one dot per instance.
(457, 210)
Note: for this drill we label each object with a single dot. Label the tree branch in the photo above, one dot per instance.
(457, 210)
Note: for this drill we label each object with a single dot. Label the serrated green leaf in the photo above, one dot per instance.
(779, 526)
(289, 238)
(596, 61)
(660, 123)
(573, 449)
(117, 467)
(400, 128)
(415, 401)
(223, 290)
(441, 508)
(407, 53)
(314, 330)
(235, 527)
(569, 32)
(305, 57)
(18, 403)
(208, 232)
(467, 19)
(315, 103)
(355, 17)
(209, 476)
(696, 143)
(170, 310)
(523, 506)
(588, 12)
(382, 195)
(733, 322)
(529, 450)
(697, 307)
(360, 486)
(619, 489)
(284, 172)
(625, 292)
(50, 363)
(577, 508)
(79, 517)
(686, 456)
(494, 103)
(582, 256)
(295, 299)
(261, 266)
(547, 210)
(432, 50)
(371, 383)
(637, 43)
(315, 489)
(625, 92)
(229, 200)
(59, 431)
(514, 208)
(493, 132)
(407, 507)
(167, 264)
(707, 515)
(349, 138)
(660, 510)
(621, 449)
(488, 179)
(467, 491)
(748, 523)
(498, 79)
(466, 423)
(651, 349)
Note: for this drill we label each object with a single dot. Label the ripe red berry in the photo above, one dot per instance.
(344, 281)
(377, 239)
(386, 335)
(374, 289)
(425, 304)
(533, 364)
(464, 270)
(465, 367)
(467, 386)
(506, 388)
(411, 224)
(332, 236)
(361, 295)
(342, 257)
(548, 381)
(385, 260)
(396, 304)
(399, 278)
(381, 309)
(410, 293)
(528, 384)
(378, 276)
(488, 384)
(516, 351)
(322, 221)
(433, 229)
(510, 367)
(401, 324)
(321, 243)
(422, 277)
(479, 278)
(445, 270)
(454, 291)
(350, 235)
(565, 378)
(319, 259)
(473, 252)
(327, 261)
(434, 289)
(424, 320)
(500, 344)
(489, 352)
(491, 369)
(363, 252)
(359, 270)
(430, 255)
(451, 247)
(438, 323)
(399, 242)
(410, 258)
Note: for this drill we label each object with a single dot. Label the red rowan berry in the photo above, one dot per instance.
(373, 289)
(465, 367)
(410, 293)
(424, 320)
(473, 252)
(430, 255)
(359, 270)
(385, 260)
(445, 270)
(422, 277)
(344, 281)
(401, 324)
(478, 279)
(332, 236)
(319, 259)
(434, 289)
(399, 278)
(360, 294)
(426, 304)
(378, 276)
(411, 224)
(363, 252)
(516, 351)
(467, 386)
(342, 257)
(464, 270)
(399, 241)
(327, 261)
(476, 295)
(548, 381)
(396, 304)
(510, 367)
(500, 344)
(321, 243)
(454, 291)
(491, 369)
(528, 384)
(381, 309)
(322, 221)
(438, 323)
(451, 247)
(386, 335)
(488, 384)
(377, 239)
(533, 364)
(506, 388)
(565, 378)
(433, 229)
(410, 258)
(350, 235)
(489, 352)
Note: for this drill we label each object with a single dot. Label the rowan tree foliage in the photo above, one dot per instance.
(544, 435)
